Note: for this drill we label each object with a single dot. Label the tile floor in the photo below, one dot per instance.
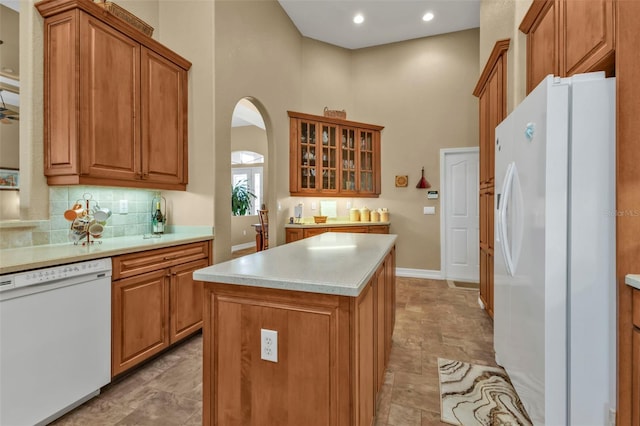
(432, 320)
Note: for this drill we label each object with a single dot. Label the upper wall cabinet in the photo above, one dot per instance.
(566, 37)
(333, 157)
(115, 102)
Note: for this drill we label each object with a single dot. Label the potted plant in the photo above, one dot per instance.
(241, 198)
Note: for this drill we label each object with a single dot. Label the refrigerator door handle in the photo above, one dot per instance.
(511, 180)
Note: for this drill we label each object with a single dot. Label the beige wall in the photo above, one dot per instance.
(258, 55)
(186, 26)
(500, 19)
(419, 90)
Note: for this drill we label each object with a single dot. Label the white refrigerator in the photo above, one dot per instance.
(554, 276)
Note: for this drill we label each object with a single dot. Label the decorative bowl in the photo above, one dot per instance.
(320, 219)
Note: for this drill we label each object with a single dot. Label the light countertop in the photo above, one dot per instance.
(331, 263)
(333, 222)
(25, 258)
(633, 281)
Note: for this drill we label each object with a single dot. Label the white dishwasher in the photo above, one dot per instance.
(55, 340)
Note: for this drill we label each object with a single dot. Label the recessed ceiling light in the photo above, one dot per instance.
(358, 19)
(427, 17)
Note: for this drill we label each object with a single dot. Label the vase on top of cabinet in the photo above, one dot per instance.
(333, 157)
(115, 102)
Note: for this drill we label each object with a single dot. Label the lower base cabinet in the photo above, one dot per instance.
(635, 362)
(332, 353)
(155, 301)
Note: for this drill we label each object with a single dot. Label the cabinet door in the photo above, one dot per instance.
(139, 326)
(380, 284)
(328, 163)
(293, 235)
(542, 46)
(307, 151)
(348, 160)
(366, 160)
(164, 120)
(365, 356)
(390, 303)
(635, 366)
(60, 95)
(586, 36)
(109, 102)
(186, 300)
(484, 278)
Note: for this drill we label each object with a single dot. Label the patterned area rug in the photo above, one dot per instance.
(478, 395)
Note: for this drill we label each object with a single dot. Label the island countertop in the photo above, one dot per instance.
(633, 280)
(331, 263)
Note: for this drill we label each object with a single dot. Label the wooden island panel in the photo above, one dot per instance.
(332, 353)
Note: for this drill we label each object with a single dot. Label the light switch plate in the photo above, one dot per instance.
(124, 207)
(429, 210)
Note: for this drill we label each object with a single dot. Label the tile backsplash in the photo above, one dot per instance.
(137, 221)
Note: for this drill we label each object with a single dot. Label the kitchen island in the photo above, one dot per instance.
(330, 300)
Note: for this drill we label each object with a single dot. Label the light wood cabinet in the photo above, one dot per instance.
(155, 301)
(540, 25)
(491, 90)
(635, 360)
(115, 102)
(635, 381)
(566, 37)
(627, 15)
(298, 233)
(332, 353)
(333, 157)
(586, 36)
(139, 326)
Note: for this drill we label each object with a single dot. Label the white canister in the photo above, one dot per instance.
(365, 214)
(384, 216)
(375, 216)
(354, 215)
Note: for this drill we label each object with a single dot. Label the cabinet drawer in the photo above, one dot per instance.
(139, 263)
(379, 229)
(310, 232)
(354, 229)
(636, 308)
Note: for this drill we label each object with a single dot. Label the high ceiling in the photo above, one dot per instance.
(385, 21)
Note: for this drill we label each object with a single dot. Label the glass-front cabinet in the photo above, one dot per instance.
(333, 157)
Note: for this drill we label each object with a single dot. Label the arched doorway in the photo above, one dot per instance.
(249, 156)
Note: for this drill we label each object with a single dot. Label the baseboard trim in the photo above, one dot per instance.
(419, 273)
(243, 246)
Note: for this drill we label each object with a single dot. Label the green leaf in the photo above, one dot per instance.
(241, 198)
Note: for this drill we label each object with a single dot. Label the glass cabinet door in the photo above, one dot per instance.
(329, 164)
(348, 178)
(307, 155)
(366, 161)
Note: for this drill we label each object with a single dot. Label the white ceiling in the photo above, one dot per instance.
(386, 21)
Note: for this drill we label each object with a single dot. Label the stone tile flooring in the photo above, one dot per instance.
(432, 320)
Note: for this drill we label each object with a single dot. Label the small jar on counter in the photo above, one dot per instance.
(375, 216)
(354, 215)
(365, 214)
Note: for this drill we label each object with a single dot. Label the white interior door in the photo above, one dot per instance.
(460, 215)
